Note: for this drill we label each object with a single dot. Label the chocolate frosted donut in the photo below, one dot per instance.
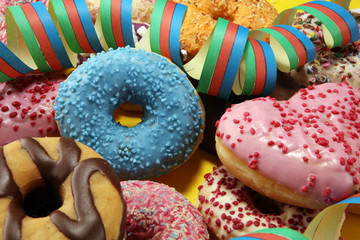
(87, 197)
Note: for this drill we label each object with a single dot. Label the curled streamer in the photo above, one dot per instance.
(232, 59)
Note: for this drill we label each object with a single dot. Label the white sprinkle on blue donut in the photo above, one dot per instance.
(172, 120)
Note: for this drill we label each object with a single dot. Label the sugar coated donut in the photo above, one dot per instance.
(330, 65)
(8, 3)
(231, 209)
(172, 126)
(202, 15)
(26, 106)
(157, 211)
(303, 152)
(90, 202)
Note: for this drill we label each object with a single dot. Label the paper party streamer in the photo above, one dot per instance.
(116, 24)
(339, 26)
(297, 47)
(11, 65)
(287, 42)
(174, 40)
(231, 71)
(223, 75)
(232, 60)
(212, 55)
(36, 53)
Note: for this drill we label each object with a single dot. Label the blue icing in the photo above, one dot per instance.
(172, 116)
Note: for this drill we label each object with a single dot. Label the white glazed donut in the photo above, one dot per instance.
(231, 209)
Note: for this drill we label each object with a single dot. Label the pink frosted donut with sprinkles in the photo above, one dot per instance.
(304, 151)
(26, 106)
(157, 211)
(231, 209)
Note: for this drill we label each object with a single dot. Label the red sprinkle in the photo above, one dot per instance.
(5, 109)
(252, 130)
(327, 192)
(13, 114)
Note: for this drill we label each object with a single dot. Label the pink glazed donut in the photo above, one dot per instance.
(231, 209)
(304, 151)
(26, 106)
(157, 211)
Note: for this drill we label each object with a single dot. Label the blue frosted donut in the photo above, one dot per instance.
(172, 126)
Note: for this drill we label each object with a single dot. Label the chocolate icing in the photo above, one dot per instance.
(13, 222)
(88, 224)
(54, 173)
(8, 187)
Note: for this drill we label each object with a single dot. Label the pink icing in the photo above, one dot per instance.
(156, 211)
(228, 208)
(309, 143)
(26, 106)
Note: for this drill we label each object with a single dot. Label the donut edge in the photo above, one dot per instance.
(260, 183)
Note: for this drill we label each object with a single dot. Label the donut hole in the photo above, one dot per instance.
(128, 114)
(264, 204)
(221, 12)
(41, 201)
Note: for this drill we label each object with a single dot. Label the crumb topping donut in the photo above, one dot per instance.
(231, 209)
(91, 207)
(172, 126)
(157, 211)
(302, 152)
(202, 15)
(26, 106)
(330, 65)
